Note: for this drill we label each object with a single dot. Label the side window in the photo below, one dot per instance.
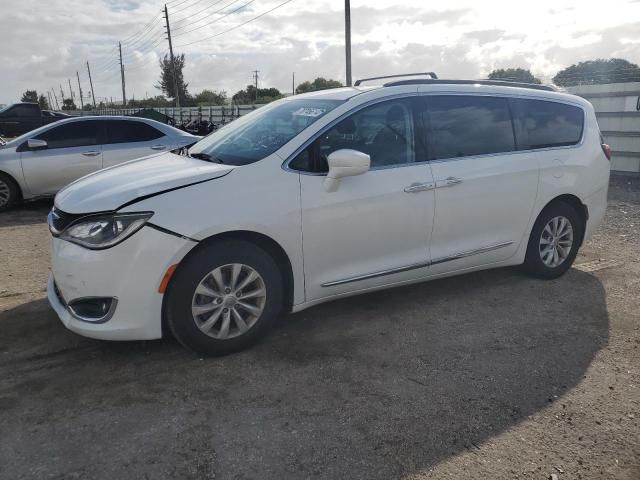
(384, 131)
(24, 111)
(73, 134)
(464, 125)
(543, 124)
(126, 131)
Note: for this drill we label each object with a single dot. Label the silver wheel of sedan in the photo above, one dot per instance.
(556, 241)
(228, 301)
(5, 193)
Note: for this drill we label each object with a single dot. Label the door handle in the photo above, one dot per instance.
(419, 187)
(449, 182)
(158, 147)
(91, 153)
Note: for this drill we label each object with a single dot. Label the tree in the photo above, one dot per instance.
(319, 83)
(30, 96)
(43, 102)
(612, 70)
(209, 97)
(248, 95)
(166, 84)
(514, 75)
(68, 104)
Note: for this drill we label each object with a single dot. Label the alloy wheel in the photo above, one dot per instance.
(228, 301)
(556, 241)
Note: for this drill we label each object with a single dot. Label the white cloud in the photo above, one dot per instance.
(46, 42)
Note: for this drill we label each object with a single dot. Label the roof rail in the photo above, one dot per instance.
(430, 74)
(498, 83)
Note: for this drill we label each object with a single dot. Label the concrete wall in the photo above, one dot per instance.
(617, 108)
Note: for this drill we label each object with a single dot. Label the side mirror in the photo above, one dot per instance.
(345, 163)
(35, 144)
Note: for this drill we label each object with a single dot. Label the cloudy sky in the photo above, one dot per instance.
(46, 41)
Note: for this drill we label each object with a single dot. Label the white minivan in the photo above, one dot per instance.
(324, 195)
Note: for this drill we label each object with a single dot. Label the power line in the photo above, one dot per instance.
(185, 8)
(198, 13)
(217, 19)
(236, 26)
(153, 20)
(178, 4)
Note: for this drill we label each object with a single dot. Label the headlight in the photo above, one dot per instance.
(104, 231)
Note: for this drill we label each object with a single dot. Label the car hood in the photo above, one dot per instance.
(123, 184)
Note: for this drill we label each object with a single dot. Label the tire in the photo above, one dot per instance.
(211, 270)
(9, 192)
(539, 260)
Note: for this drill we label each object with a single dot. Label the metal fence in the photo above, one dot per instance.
(617, 107)
(217, 114)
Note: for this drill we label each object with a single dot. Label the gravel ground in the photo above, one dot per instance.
(488, 375)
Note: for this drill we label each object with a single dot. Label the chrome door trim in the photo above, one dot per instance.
(377, 274)
(415, 266)
(469, 253)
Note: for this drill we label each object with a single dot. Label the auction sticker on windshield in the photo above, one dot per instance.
(309, 112)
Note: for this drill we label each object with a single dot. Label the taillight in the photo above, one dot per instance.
(607, 151)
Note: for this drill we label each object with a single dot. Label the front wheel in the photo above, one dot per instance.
(224, 297)
(9, 192)
(554, 241)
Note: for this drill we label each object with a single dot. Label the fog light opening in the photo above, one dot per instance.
(93, 309)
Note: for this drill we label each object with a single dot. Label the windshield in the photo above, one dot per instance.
(262, 132)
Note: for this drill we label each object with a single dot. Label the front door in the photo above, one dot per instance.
(374, 229)
(72, 152)
(485, 189)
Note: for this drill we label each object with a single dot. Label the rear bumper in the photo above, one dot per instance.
(130, 272)
(596, 204)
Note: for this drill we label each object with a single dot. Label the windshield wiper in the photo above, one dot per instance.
(206, 157)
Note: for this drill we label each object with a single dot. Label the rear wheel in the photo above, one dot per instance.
(554, 241)
(9, 192)
(224, 297)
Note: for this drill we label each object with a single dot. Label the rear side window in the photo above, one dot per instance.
(73, 134)
(125, 131)
(462, 126)
(24, 111)
(543, 124)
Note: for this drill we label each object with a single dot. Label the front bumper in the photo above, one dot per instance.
(130, 272)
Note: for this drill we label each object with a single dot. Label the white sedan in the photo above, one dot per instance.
(41, 162)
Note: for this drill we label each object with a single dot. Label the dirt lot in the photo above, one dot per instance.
(489, 375)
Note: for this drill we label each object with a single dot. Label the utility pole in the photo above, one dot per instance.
(255, 76)
(347, 38)
(49, 98)
(124, 97)
(80, 89)
(70, 90)
(173, 62)
(93, 95)
(293, 84)
(55, 98)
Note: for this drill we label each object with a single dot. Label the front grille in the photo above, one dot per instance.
(59, 220)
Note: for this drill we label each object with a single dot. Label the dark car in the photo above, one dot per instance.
(20, 118)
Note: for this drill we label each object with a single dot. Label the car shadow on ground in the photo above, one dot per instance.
(28, 213)
(376, 386)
